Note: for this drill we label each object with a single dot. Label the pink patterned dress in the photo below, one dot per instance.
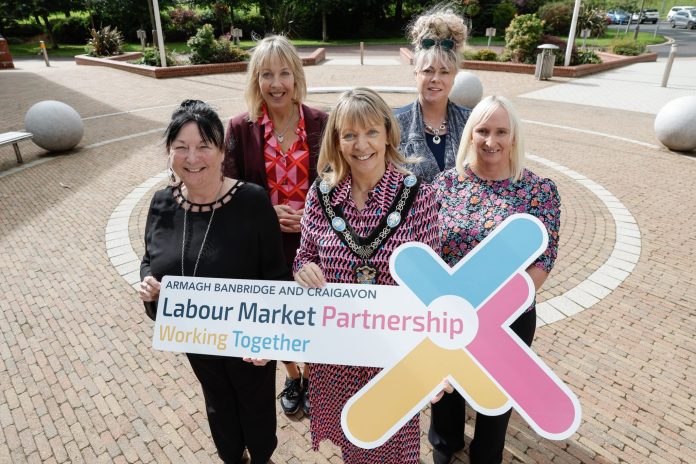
(332, 385)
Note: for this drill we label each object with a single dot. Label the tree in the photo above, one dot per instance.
(39, 11)
(224, 9)
(127, 15)
(503, 14)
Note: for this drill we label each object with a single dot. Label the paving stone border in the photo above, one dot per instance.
(598, 285)
(616, 268)
(118, 245)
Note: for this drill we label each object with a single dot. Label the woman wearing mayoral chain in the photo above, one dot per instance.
(363, 206)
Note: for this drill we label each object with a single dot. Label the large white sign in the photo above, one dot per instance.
(351, 324)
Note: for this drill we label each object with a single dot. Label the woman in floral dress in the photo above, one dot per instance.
(488, 184)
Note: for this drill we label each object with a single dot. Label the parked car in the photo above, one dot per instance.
(618, 16)
(648, 15)
(684, 18)
(674, 9)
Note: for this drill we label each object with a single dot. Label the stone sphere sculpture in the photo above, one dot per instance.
(467, 89)
(55, 125)
(675, 124)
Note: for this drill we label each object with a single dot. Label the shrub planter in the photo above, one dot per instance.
(118, 62)
(609, 61)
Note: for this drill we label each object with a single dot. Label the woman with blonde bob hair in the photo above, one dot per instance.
(362, 209)
(466, 155)
(360, 107)
(432, 125)
(276, 145)
(489, 184)
(279, 48)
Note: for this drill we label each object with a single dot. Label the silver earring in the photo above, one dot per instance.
(170, 171)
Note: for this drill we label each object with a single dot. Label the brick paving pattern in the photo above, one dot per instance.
(80, 382)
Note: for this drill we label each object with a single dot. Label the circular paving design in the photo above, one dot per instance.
(600, 241)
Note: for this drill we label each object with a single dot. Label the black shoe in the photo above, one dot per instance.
(441, 457)
(291, 396)
(305, 395)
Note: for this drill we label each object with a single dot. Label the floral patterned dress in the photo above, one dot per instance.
(471, 207)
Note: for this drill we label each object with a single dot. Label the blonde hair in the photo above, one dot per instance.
(279, 47)
(359, 107)
(480, 114)
(439, 23)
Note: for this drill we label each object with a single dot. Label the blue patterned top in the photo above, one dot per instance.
(413, 141)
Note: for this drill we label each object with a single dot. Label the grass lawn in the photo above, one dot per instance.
(32, 49)
(611, 36)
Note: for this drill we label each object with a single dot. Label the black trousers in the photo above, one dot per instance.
(240, 402)
(446, 432)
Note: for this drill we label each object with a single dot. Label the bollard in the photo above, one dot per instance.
(42, 46)
(362, 52)
(668, 68)
(657, 26)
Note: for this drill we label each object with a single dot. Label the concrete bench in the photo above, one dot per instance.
(14, 138)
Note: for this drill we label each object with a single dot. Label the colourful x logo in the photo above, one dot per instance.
(489, 365)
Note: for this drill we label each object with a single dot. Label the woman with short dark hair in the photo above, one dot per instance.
(193, 229)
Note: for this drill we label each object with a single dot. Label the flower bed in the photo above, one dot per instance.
(610, 61)
(119, 62)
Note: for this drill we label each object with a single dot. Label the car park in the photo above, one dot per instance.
(618, 17)
(684, 18)
(648, 15)
(674, 10)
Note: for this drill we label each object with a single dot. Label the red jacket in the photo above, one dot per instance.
(244, 157)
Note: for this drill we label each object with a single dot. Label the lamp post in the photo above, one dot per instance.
(571, 34)
(160, 38)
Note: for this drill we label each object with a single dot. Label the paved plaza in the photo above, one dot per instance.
(617, 316)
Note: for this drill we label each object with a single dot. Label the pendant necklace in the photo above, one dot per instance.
(364, 248)
(205, 236)
(281, 135)
(436, 132)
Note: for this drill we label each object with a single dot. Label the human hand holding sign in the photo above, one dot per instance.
(487, 364)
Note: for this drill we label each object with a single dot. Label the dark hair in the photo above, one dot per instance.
(209, 125)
